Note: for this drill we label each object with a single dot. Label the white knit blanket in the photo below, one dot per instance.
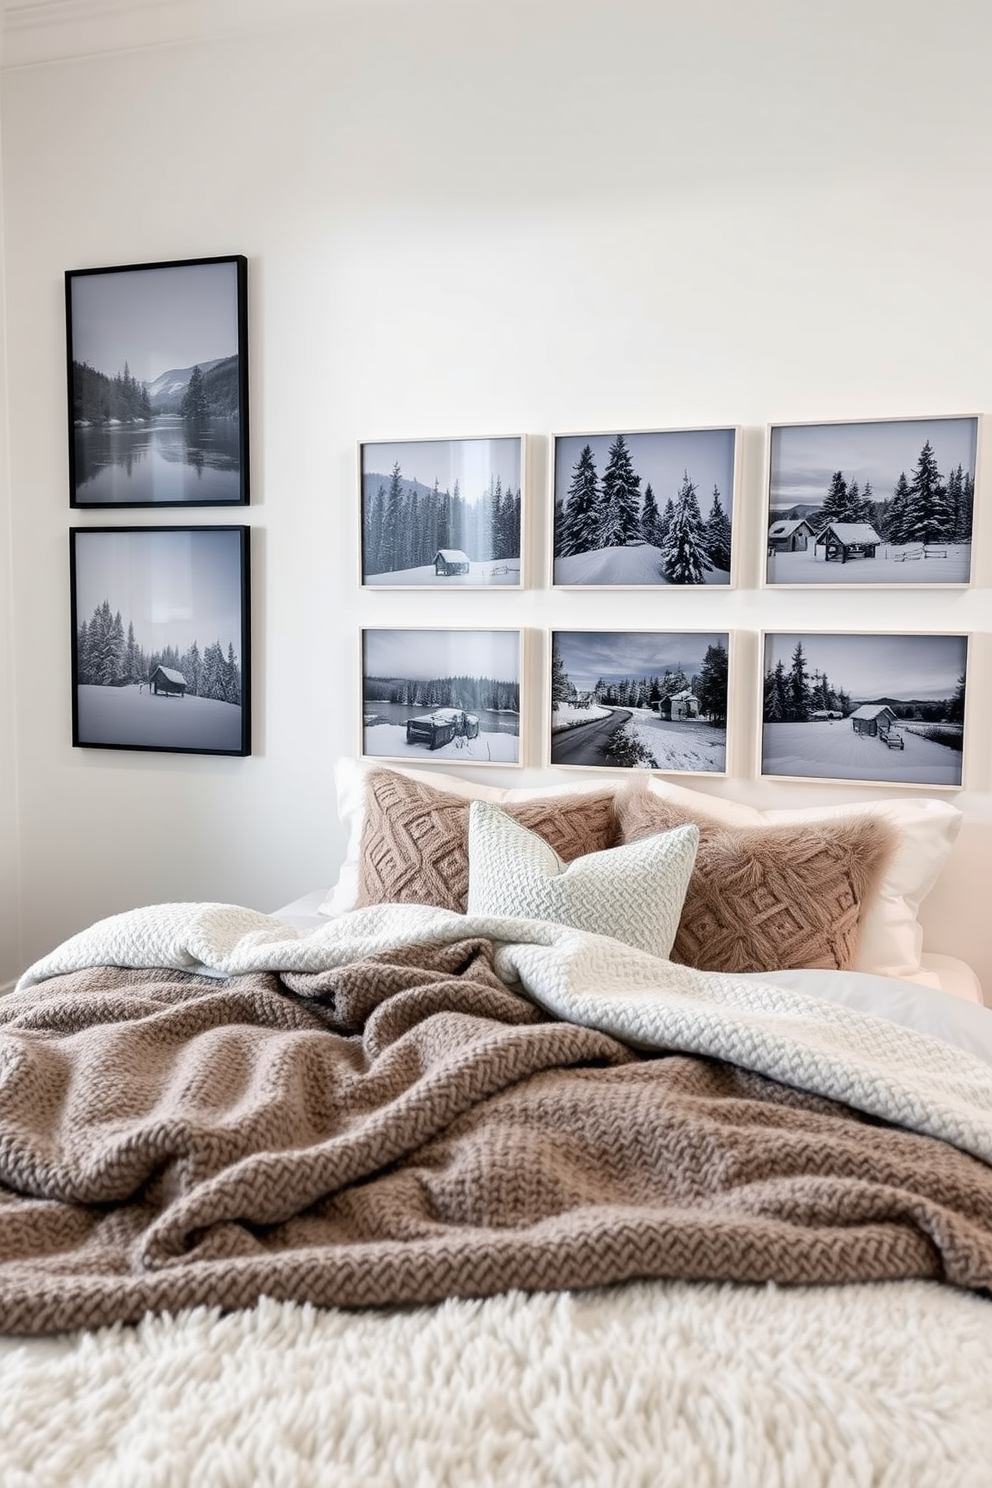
(870, 1063)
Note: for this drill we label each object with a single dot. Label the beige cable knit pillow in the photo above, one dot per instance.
(771, 897)
(415, 837)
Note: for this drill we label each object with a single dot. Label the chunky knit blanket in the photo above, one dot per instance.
(198, 1106)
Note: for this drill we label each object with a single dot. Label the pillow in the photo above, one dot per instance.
(632, 893)
(891, 941)
(351, 776)
(770, 898)
(415, 838)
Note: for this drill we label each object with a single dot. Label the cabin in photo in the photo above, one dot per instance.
(873, 719)
(450, 561)
(680, 705)
(842, 541)
(793, 536)
(168, 681)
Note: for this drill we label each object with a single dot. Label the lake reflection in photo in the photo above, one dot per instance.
(169, 460)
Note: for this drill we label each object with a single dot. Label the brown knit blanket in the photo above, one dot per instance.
(406, 1128)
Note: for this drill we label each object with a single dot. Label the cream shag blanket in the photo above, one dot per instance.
(664, 1383)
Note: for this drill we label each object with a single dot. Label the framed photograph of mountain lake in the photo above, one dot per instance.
(160, 638)
(158, 384)
(643, 510)
(639, 700)
(442, 513)
(878, 708)
(871, 504)
(446, 695)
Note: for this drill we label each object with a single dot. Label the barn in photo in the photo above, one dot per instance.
(790, 536)
(682, 704)
(841, 541)
(873, 719)
(168, 681)
(450, 561)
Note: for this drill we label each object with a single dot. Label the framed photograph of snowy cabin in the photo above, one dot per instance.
(643, 510)
(876, 708)
(639, 700)
(882, 503)
(160, 638)
(453, 696)
(442, 513)
(158, 384)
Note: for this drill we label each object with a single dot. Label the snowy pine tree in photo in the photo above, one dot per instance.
(579, 532)
(798, 690)
(711, 684)
(930, 517)
(619, 515)
(684, 556)
(718, 534)
(896, 520)
(651, 528)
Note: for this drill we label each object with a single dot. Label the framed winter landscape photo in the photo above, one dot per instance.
(158, 384)
(640, 510)
(881, 709)
(447, 695)
(442, 513)
(881, 503)
(639, 700)
(160, 639)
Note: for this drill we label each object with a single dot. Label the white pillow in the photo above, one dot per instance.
(891, 940)
(633, 893)
(349, 778)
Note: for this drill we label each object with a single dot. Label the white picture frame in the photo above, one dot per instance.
(443, 695)
(655, 475)
(654, 700)
(881, 707)
(443, 514)
(871, 503)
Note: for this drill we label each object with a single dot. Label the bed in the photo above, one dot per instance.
(476, 1168)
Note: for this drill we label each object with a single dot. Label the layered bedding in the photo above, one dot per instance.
(505, 1190)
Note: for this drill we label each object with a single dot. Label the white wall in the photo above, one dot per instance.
(10, 950)
(468, 218)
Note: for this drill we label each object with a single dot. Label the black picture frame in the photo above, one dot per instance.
(639, 700)
(161, 638)
(453, 696)
(157, 374)
(443, 513)
(871, 707)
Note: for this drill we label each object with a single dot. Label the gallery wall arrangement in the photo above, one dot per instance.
(157, 378)
(157, 375)
(864, 504)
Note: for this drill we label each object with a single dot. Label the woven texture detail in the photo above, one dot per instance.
(772, 897)
(633, 894)
(406, 1128)
(415, 838)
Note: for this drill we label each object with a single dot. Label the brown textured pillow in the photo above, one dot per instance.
(770, 898)
(415, 838)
